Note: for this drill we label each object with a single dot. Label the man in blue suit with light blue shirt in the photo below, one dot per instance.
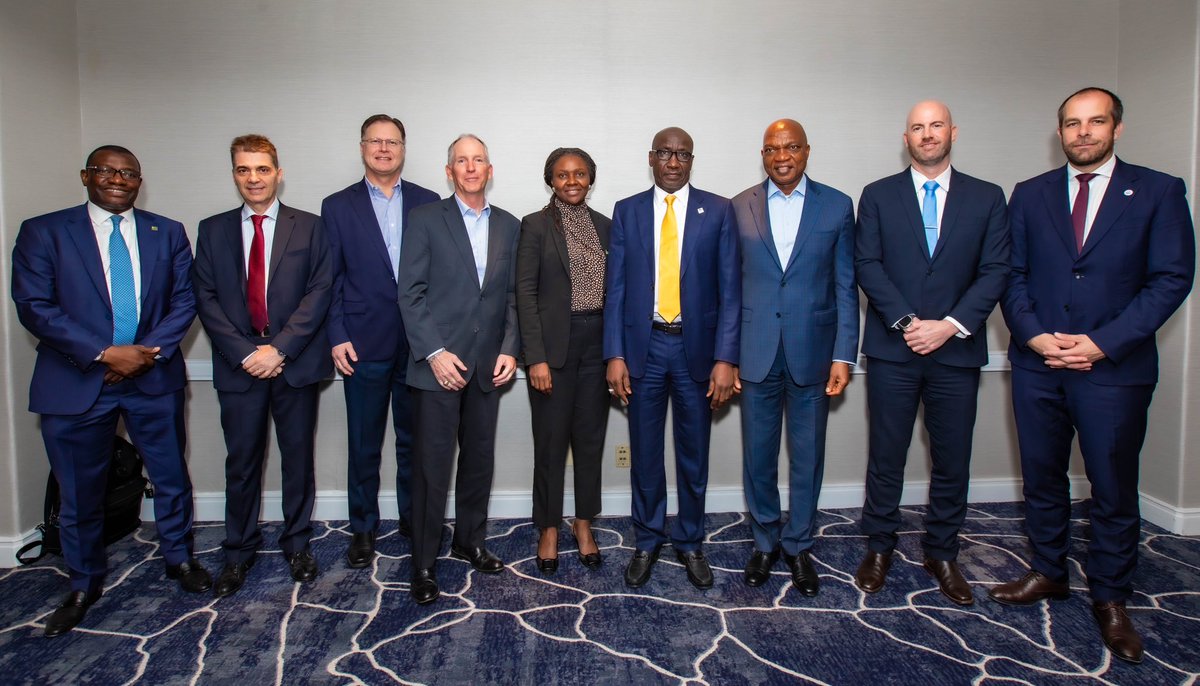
(365, 223)
(799, 340)
(932, 257)
(671, 327)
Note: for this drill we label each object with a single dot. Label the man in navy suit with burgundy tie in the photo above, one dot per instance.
(932, 257)
(104, 287)
(799, 339)
(1103, 254)
(365, 223)
(671, 330)
(263, 276)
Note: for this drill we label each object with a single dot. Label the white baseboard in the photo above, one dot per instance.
(210, 506)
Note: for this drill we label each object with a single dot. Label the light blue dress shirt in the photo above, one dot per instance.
(784, 212)
(477, 224)
(389, 212)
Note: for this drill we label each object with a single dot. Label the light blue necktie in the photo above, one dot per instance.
(929, 215)
(124, 295)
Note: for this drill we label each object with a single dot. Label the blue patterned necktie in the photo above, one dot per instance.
(929, 215)
(124, 296)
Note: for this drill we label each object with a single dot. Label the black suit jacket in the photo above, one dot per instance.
(441, 300)
(544, 286)
(299, 283)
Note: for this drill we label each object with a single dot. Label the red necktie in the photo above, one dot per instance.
(1079, 210)
(256, 278)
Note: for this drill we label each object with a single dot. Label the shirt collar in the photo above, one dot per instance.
(467, 210)
(272, 211)
(1105, 170)
(376, 190)
(801, 189)
(99, 215)
(681, 195)
(919, 179)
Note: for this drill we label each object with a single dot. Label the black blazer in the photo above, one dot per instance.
(299, 283)
(544, 286)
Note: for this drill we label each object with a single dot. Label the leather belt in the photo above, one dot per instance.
(673, 329)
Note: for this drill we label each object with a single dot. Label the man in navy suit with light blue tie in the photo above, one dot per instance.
(799, 340)
(1103, 253)
(671, 327)
(104, 288)
(932, 257)
(365, 223)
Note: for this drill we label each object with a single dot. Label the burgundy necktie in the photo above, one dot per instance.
(1079, 210)
(256, 278)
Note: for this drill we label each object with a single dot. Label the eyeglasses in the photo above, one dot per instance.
(682, 155)
(108, 172)
(383, 142)
(791, 149)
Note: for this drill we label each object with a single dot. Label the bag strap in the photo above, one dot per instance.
(31, 545)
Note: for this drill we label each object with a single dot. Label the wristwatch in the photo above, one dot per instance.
(905, 322)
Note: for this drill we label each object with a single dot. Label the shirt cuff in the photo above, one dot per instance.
(434, 354)
(962, 330)
(852, 364)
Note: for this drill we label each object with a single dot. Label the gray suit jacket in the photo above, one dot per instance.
(441, 300)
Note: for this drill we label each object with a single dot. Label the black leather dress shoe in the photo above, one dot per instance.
(70, 613)
(1121, 639)
(804, 575)
(481, 559)
(872, 571)
(424, 588)
(304, 565)
(231, 578)
(1029, 589)
(758, 567)
(637, 573)
(698, 571)
(950, 580)
(193, 577)
(361, 550)
(547, 565)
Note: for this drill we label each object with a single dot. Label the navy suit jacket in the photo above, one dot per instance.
(364, 309)
(443, 303)
(1136, 267)
(62, 298)
(710, 283)
(963, 279)
(299, 283)
(807, 300)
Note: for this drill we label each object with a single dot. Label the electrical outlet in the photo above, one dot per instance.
(623, 456)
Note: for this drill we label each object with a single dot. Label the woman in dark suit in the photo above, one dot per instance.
(560, 304)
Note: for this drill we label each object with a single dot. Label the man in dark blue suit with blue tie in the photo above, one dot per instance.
(104, 287)
(931, 255)
(799, 339)
(671, 328)
(365, 223)
(1103, 254)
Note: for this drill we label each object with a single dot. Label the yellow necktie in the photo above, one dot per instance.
(668, 265)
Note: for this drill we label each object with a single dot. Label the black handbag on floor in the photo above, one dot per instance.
(122, 504)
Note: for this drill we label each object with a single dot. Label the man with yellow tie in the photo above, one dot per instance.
(671, 329)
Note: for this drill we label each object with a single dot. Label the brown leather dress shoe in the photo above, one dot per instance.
(872, 571)
(950, 580)
(1029, 589)
(1121, 639)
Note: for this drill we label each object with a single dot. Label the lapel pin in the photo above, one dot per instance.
(1128, 192)
(153, 227)
(699, 210)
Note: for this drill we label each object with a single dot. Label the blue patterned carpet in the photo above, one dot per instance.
(584, 627)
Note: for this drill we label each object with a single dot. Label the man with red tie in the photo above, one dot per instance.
(263, 276)
(1103, 253)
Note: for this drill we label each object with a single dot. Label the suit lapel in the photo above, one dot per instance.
(560, 244)
(149, 240)
(692, 228)
(369, 224)
(457, 229)
(285, 224)
(906, 195)
(1058, 205)
(79, 228)
(1122, 188)
(954, 202)
(761, 214)
(808, 220)
(497, 244)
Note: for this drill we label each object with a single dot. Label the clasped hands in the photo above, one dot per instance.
(264, 363)
(127, 362)
(1066, 350)
(448, 369)
(924, 336)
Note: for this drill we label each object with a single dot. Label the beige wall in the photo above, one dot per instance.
(190, 76)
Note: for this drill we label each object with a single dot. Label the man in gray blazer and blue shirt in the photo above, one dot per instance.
(457, 298)
(799, 339)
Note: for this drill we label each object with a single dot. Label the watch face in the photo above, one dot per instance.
(904, 323)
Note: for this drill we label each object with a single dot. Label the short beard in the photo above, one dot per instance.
(1079, 161)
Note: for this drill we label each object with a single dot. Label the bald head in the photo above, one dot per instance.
(785, 153)
(929, 133)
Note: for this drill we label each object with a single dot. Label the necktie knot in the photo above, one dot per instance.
(1084, 178)
(116, 222)
(258, 221)
(671, 201)
(930, 186)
